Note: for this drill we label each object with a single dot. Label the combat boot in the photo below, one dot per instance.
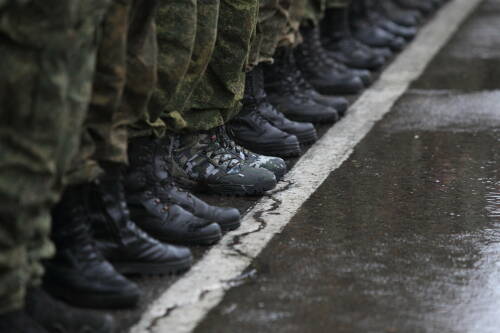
(337, 38)
(338, 103)
(379, 20)
(271, 163)
(78, 273)
(330, 63)
(369, 33)
(56, 316)
(282, 86)
(120, 240)
(19, 322)
(425, 7)
(202, 162)
(322, 74)
(151, 199)
(405, 17)
(364, 74)
(254, 132)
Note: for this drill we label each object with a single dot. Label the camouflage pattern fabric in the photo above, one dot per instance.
(212, 84)
(180, 72)
(217, 99)
(272, 27)
(47, 61)
(126, 75)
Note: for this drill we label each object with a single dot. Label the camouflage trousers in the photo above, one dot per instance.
(279, 23)
(126, 74)
(204, 46)
(47, 60)
(274, 28)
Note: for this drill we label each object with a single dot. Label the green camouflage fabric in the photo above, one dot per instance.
(272, 28)
(47, 60)
(180, 72)
(217, 99)
(126, 75)
(212, 84)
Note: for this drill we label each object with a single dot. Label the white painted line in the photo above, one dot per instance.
(180, 308)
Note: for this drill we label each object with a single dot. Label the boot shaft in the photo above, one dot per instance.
(335, 25)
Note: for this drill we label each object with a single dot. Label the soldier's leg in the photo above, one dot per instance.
(338, 39)
(203, 155)
(126, 77)
(282, 79)
(94, 284)
(259, 126)
(176, 30)
(38, 39)
(203, 36)
(47, 60)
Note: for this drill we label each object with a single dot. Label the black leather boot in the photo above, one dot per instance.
(305, 132)
(405, 17)
(19, 322)
(369, 33)
(338, 103)
(337, 38)
(281, 82)
(319, 71)
(120, 240)
(254, 132)
(79, 274)
(424, 6)
(381, 21)
(56, 316)
(364, 74)
(161, 208)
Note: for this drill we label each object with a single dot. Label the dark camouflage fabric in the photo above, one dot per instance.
(47, 60)
(126, 75)
(201, 158)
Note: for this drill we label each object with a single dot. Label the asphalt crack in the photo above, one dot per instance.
(237, 239)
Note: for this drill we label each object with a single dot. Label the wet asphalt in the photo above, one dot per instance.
(405, 235)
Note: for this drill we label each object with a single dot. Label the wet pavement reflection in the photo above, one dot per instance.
(405, 236)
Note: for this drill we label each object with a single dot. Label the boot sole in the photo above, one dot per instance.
(175, 267)
(94, 300)
(241, 190)
(205, 240)
(229, 226)
(307, 138)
